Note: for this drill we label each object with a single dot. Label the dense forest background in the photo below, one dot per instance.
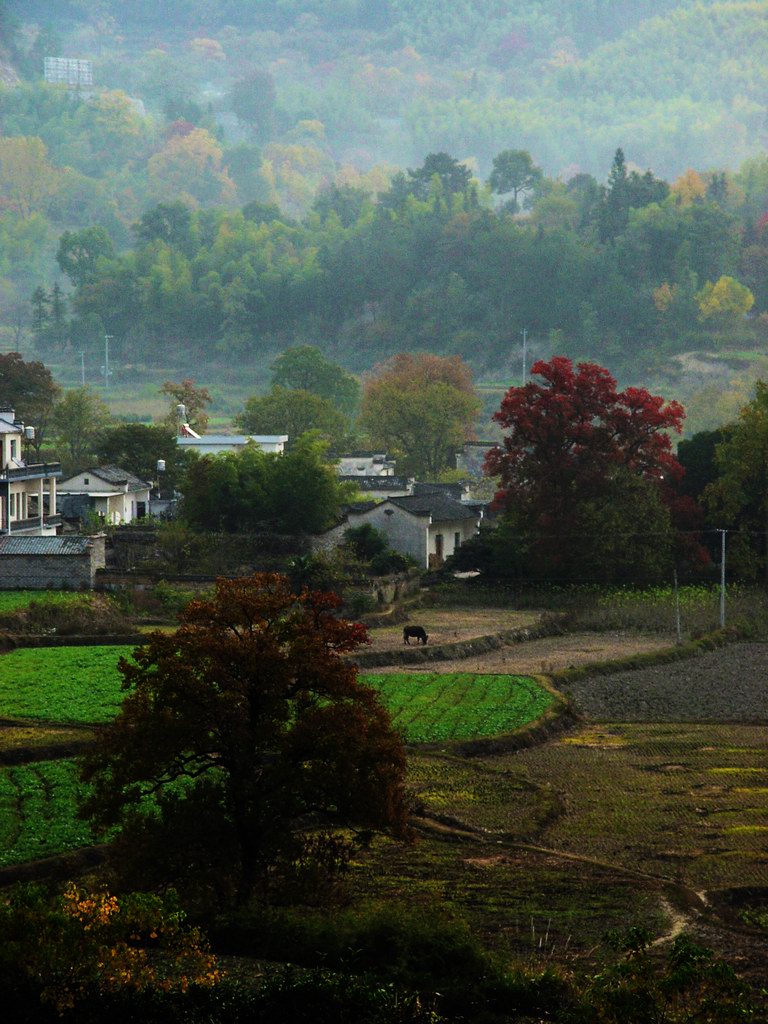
(245, 177)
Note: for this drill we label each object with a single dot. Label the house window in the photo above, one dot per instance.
(13, 448)
(86, 481)
(12, 504)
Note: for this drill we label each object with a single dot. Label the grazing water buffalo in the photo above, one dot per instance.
(418, 632)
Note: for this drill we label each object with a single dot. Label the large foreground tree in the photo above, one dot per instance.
(585, 473)
(244, 743)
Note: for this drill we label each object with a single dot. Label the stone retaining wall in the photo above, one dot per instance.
(11, 640)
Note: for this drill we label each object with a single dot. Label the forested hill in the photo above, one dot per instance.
(629, 275)
(382, 176)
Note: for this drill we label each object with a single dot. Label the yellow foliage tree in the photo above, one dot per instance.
(724, 302)
(688, 188)
(27, 179)
(664, 296)
(190, 165)
(208, 49)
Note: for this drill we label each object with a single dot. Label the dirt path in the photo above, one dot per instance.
(547, 655)
(453, 625)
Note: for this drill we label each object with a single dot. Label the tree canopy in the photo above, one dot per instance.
(244, 727)
(298, 492)
(305, 368)
(29, 388)
(584, 470)
(292, 411)
(420, 408)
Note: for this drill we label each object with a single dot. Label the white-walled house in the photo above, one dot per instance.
(427, 527)
(27, 490)
(112, 493)
(214, 444)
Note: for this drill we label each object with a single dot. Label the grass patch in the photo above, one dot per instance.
(479, 794)
(82, 684)
(12, 600)
(435, 707)
(520, 903)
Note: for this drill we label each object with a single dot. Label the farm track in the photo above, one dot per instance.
(687, 909)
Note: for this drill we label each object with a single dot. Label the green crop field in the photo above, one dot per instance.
(82, 684)
(61, 684)
(37, 811)
(433, 707)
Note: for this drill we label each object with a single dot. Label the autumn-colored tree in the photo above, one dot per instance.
(190, 167)
(86, 944)
(27, 179)
(725, 302)
(29, 388)
(194, 399)
(244, 743)
(421, 408)
(583, 470)
(689, 188)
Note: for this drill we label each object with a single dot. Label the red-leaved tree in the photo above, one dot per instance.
(584, 468)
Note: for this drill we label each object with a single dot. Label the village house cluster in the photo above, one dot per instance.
(41, 514)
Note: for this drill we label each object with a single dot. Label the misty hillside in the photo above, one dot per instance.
(681, 83)
(245, 177)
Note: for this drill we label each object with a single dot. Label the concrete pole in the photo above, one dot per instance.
(722, 578)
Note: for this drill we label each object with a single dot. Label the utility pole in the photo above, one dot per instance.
(524, 333)
(722, 578)
(106, 369)
(678, 623)
(82, 369)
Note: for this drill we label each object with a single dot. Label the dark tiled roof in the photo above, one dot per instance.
(375, 483)
(44, 545)
(116, 475)
(452, 490)
(441, 507)
(361, 506)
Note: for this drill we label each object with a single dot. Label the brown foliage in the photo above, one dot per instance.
(251, 734)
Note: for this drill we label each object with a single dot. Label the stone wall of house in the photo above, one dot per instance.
(405, 533)
(52, 572)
